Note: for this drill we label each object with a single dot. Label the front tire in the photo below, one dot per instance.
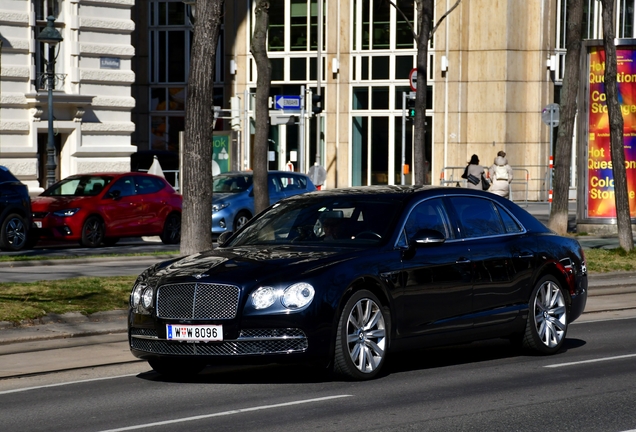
(92, 232)
(363, 336)
(241, 219)
(14, 232)
(547, 317)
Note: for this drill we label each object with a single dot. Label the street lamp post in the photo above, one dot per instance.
(50, 36)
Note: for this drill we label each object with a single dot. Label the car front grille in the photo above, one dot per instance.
(197, 301)
(249, 342)
(40, 215)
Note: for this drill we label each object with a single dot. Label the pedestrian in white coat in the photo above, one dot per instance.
(500, 175)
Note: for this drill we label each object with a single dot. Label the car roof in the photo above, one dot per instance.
(112, 174)
(250, 173)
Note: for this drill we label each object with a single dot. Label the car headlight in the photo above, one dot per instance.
(146, 298)
(298, 295)
(135, 296)
(263, 297)
(66, 212)
(217, 207)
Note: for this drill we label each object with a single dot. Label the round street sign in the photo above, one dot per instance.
(550, 115)
(413, 79)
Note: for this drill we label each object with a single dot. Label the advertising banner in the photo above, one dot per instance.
(221, 153)
(600, 179)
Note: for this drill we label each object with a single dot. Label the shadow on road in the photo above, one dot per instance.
(430, 358)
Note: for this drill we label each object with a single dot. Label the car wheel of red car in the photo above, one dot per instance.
(171, 229)
(92, 232)
(13, 236)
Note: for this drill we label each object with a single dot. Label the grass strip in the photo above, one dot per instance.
(87, 295)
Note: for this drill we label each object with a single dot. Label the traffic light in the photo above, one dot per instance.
(410, 108)
(316, 103)
(235, 108)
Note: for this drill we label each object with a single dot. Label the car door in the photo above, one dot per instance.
(438, 277)
(494, 291)
(152, 205)
(275, 188)
(122, 208)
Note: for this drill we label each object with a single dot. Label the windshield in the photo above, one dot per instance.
(231, 183)
(79, 186)
(319, 219)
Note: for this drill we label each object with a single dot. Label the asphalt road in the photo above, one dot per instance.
(483, 386)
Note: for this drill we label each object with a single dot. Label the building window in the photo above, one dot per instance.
(377, 25)
(293, 25)
(170, 42)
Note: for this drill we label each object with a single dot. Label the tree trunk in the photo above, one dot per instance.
(196, 221)
(425, 22)
(558, 221)
(261, 105)
(617, 146)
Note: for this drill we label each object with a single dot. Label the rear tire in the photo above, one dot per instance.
(363, 337)
(14, 233)
(92, 232)
(171, 229)
(548, 317)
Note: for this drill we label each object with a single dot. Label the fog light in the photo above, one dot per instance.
(222, 223)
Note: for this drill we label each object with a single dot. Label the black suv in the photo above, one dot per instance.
(15, 212)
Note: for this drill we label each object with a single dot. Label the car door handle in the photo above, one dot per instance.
(525, 255)
(462, 260)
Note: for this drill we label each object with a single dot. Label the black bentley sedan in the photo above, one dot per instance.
(347, 276)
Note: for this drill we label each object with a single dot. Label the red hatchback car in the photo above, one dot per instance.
(100, 208)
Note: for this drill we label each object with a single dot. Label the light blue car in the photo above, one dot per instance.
(233, 196)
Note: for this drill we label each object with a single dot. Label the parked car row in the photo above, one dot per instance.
(97, 209)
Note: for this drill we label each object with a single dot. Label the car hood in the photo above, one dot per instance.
(52, 203)
(247, 265)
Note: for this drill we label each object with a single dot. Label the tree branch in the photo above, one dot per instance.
(439, 21)
(405, 18)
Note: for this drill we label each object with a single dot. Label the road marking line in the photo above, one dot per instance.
(225, 413)
(65, 383)
(591, 361)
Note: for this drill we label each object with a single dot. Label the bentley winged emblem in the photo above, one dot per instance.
(202, 275)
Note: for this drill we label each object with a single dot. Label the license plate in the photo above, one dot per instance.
(38, 224)
(194, 332)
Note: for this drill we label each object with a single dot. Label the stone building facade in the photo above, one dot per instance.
(92, 93)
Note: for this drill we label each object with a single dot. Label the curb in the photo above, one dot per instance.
(66, 261)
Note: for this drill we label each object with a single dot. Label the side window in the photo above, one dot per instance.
(148, 185)
(273, 184)
(477, 216)
(510, 225)
(125, 186)
(292, 182)
(428, 214)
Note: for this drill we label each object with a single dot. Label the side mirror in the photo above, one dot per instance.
(223, 238)
(114, 194)
(428, 237)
